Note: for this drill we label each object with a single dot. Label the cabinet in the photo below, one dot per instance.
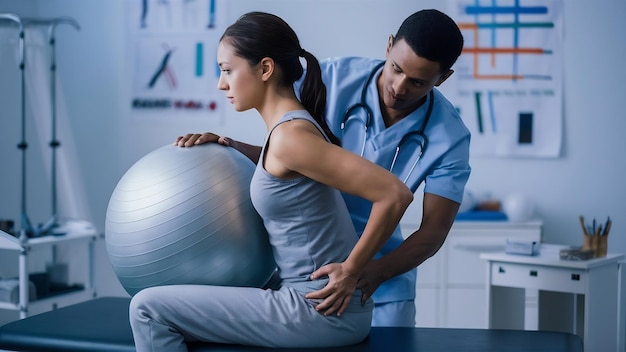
(451, 285)
(580, 297)
(73, 233)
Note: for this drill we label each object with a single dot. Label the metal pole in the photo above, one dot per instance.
(54, 143)
(26, 226)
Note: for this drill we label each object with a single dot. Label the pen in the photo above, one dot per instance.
(582, 224)
(607, 227)
(593, 226)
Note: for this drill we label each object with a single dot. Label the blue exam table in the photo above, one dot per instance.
(101, 325)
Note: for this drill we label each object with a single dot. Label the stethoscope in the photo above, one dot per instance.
(422, 140)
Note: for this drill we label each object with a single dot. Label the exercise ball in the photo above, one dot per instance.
(184, 216)
(517, 207)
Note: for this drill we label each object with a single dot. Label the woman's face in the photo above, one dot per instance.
(241, 82)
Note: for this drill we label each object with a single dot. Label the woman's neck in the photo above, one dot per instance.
(277, 105)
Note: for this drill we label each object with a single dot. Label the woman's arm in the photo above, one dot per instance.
(252, 152)
(298, 147)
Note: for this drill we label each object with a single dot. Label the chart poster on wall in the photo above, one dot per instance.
(508, 78)
(173, 47)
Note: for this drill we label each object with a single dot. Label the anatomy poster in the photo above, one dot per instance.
(173, 47)
(508, 78)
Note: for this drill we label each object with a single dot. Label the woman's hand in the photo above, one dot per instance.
(191, 139)
(337, 293)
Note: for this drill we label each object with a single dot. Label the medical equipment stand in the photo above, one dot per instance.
(54, 143)
(73, 231)
(26, 229)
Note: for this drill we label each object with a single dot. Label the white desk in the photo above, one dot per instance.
(580, 297)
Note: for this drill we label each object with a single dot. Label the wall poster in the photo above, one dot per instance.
(509, 77)
(173, 49)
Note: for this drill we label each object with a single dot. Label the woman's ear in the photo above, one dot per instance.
(267, 68)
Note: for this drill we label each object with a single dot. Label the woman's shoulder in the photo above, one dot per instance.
(300, 121)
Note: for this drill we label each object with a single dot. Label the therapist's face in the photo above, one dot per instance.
(238, 79)
(407, 78)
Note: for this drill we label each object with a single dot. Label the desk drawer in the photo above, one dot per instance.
(539, 277)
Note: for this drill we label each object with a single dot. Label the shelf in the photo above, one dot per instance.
(549, 256)
(73, 231)
(496, 225)
(70, 231)
(9, 306)
(9, 242)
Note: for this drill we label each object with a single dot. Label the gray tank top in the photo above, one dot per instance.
(308, 223)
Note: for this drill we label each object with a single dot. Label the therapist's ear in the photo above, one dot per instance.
(390, 43)
(444, 77)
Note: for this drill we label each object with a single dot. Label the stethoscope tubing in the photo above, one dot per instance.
(369, 115)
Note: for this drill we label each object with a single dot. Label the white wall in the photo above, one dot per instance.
(586, 179)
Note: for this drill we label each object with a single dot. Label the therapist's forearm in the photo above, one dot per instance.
(418, 247)
(438, 217)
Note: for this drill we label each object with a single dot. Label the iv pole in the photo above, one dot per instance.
(54, 143)
(26, 229)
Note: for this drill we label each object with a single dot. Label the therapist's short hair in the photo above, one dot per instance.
(432, 35)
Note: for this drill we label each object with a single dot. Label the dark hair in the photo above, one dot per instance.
(432, 35)
(257, 35)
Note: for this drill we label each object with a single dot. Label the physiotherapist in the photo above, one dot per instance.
(391, 113)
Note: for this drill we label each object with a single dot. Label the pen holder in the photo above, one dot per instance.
(597, 243)
(601, 248)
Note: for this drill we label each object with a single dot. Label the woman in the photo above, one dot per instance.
(296, 190)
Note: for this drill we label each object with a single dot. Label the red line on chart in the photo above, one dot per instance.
(477, 50)
(484, 50)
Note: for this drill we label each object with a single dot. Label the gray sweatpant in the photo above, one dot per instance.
(163, 318)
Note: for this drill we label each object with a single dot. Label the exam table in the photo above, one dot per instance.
(101, 325)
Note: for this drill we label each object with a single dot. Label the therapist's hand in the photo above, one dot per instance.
(191, 139)
(371, 277)
(337, 293)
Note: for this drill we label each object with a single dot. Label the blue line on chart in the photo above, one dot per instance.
(211, 14)
(479, 112)
(516, 41)
(506, 10)
(492, 115)
(199, 59)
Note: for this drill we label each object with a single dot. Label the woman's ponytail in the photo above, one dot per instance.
(313, 94)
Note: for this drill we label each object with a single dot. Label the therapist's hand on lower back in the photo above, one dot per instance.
(337, 293)
(372, 276)
(192, 139)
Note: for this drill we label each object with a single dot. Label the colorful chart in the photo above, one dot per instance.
(508, 80)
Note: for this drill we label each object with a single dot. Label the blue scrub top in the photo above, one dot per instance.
(444, 165)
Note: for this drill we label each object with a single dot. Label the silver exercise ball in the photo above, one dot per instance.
(184, 216)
